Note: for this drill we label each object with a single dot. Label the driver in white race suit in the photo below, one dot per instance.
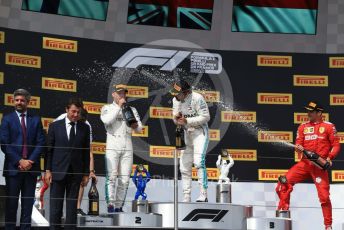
(191, 111)
(119, 148)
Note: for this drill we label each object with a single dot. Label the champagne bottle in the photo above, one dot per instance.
(180, 141)
(93, 197)
(317, 160)
(128, 115)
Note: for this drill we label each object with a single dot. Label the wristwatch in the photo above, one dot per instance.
(92, 171)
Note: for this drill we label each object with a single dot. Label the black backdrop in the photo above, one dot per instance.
(239, 82)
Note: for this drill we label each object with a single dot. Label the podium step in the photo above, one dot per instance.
(255, 223)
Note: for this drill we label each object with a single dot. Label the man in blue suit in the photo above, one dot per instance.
(68, 161)
(22, 140)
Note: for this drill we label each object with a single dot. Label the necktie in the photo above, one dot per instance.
(23, 126)
(72, 133)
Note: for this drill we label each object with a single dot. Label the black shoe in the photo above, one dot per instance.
(80, 212)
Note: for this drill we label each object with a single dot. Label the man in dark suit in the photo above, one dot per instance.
(22, 140)
(68, 160)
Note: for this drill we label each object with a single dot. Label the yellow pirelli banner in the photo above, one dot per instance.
(338, 175)
(60, 44)
(214, 134)
(336, 62)
(0, 118)
(137, 91)
(160, 112)
(243, 154)
(210, 96)
(336, 99)
(212, 173)
(238, 116)
(93, 107)
(143, 133)
(310, 80)
(340, 135)
(275, 98)
(271, 174)
(1, 78)
(275, 136)
(46, 122)
(2, 37)
(35, 102)
(23, 60)
(98, 148)
(300, 118)
(59, 84)
(274, 61)
(162, 151)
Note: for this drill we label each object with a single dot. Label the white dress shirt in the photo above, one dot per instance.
(69, 127)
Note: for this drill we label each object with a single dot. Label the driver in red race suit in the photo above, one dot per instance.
(320, 137)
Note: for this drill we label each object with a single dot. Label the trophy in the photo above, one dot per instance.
(283, 191)
(316, 159)
(223, 187)
(41, 187)
(141, 178)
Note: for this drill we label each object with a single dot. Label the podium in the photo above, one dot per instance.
(254, 223)
(203, 215)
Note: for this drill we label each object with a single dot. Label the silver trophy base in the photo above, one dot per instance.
(203, 215)
(122, 219)
(223, 193)
(283, 214)
(261, 223)
(140, 206)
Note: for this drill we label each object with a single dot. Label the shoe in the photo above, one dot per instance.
(202, 196)
(80, 212)
(187, 198)
(328, 228)
(110, 209)
(119, 209)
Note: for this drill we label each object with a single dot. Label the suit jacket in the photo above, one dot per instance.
(61, 155)
(11, 139)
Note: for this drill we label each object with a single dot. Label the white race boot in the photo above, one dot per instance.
(203, 196)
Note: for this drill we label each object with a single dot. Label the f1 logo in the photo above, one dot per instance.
(215, 215)
(167, 59)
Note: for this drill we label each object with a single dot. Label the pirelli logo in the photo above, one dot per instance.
(274, 61)
(210, 96)
(300, 118)
(46, 122)
(275, 136)
(162, 151)
(238, 116)
(2, 37)
(275, 98)
(336, 99)
(1, 78)
(60, 44)
(133, 168)
(98, 148)
(340, 135)
(59, 84)
(337, 175)
(0, 118)
(160, 112)
(270, 174)
(298, 156)
(93, 107)
(336, 62)
(243, 154)
(35, 102)
(143, 133)
(137, 91)
(23, 60)
(214, 134)
(308, 80)
(212, 173)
